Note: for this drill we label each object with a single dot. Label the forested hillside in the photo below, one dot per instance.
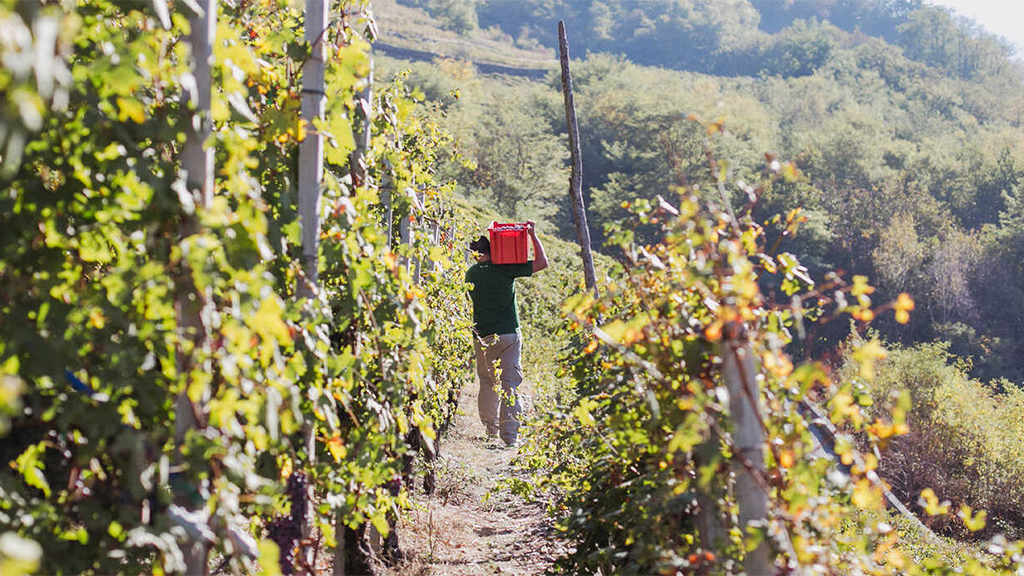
(903, 120)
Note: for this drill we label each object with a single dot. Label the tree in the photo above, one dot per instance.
(799, 50)
(952, 263)
(899, 255)
(520, 166)
(459, 16)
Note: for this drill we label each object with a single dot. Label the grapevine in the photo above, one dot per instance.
(642, 468)
(295, 397)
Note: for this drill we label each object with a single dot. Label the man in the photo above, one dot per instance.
(498, 340)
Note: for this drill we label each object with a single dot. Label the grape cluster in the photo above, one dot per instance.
(285, 533)
(298, 494)
(394, 486)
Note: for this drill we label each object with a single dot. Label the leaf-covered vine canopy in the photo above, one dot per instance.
(95, 272)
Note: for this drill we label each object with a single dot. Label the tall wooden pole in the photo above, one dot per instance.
(579, 212)
(311, 148)
(407, 236)
(311, 170)
(435, 240)
(361, 131)
(417, 264)
(197, 164)
(739, 373)
(196, 158)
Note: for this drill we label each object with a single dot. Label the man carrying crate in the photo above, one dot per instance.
(498, 341)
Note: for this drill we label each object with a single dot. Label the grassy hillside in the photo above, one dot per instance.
(412, 28)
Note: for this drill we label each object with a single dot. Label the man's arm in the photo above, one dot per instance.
(540, 259)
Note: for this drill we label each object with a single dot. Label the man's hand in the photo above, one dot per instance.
(540, 261)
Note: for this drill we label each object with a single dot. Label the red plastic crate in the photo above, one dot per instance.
(508, 243)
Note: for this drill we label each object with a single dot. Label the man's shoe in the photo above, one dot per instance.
(492, 432)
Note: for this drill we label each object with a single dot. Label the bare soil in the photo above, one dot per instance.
(466, 528)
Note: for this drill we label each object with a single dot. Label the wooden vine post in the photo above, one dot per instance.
(196, 158)
(389, 210)
(740, 376)
(361, 131)
(579, 212)
(197, 165)
(435, 240)
(311, 148)
(311, 169)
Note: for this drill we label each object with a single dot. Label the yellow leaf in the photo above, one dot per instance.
(882, 430)
(973, 522)
(616, 329)
(96, 319)
(582, 412)
(267, 321)
(286, 468)
(380, 522)
(786, 459)
(903, 305)
(131, 108)
(895, 558)
(866, 355)
(268, 558)
(714, 331)
(904, 302)
(219, 110)
(337, 448)
(790, 172)
(861, 286)
(930, 502)
(777, 364)
(870, 462)
(865, 496)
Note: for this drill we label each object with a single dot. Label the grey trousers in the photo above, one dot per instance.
(500, 371)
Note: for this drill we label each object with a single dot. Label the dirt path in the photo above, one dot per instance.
(459, 531)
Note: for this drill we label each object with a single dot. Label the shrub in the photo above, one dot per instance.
(966, 439)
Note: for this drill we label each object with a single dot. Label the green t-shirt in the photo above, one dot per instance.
(494, 296)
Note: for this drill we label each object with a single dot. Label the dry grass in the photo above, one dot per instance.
(408, 27)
